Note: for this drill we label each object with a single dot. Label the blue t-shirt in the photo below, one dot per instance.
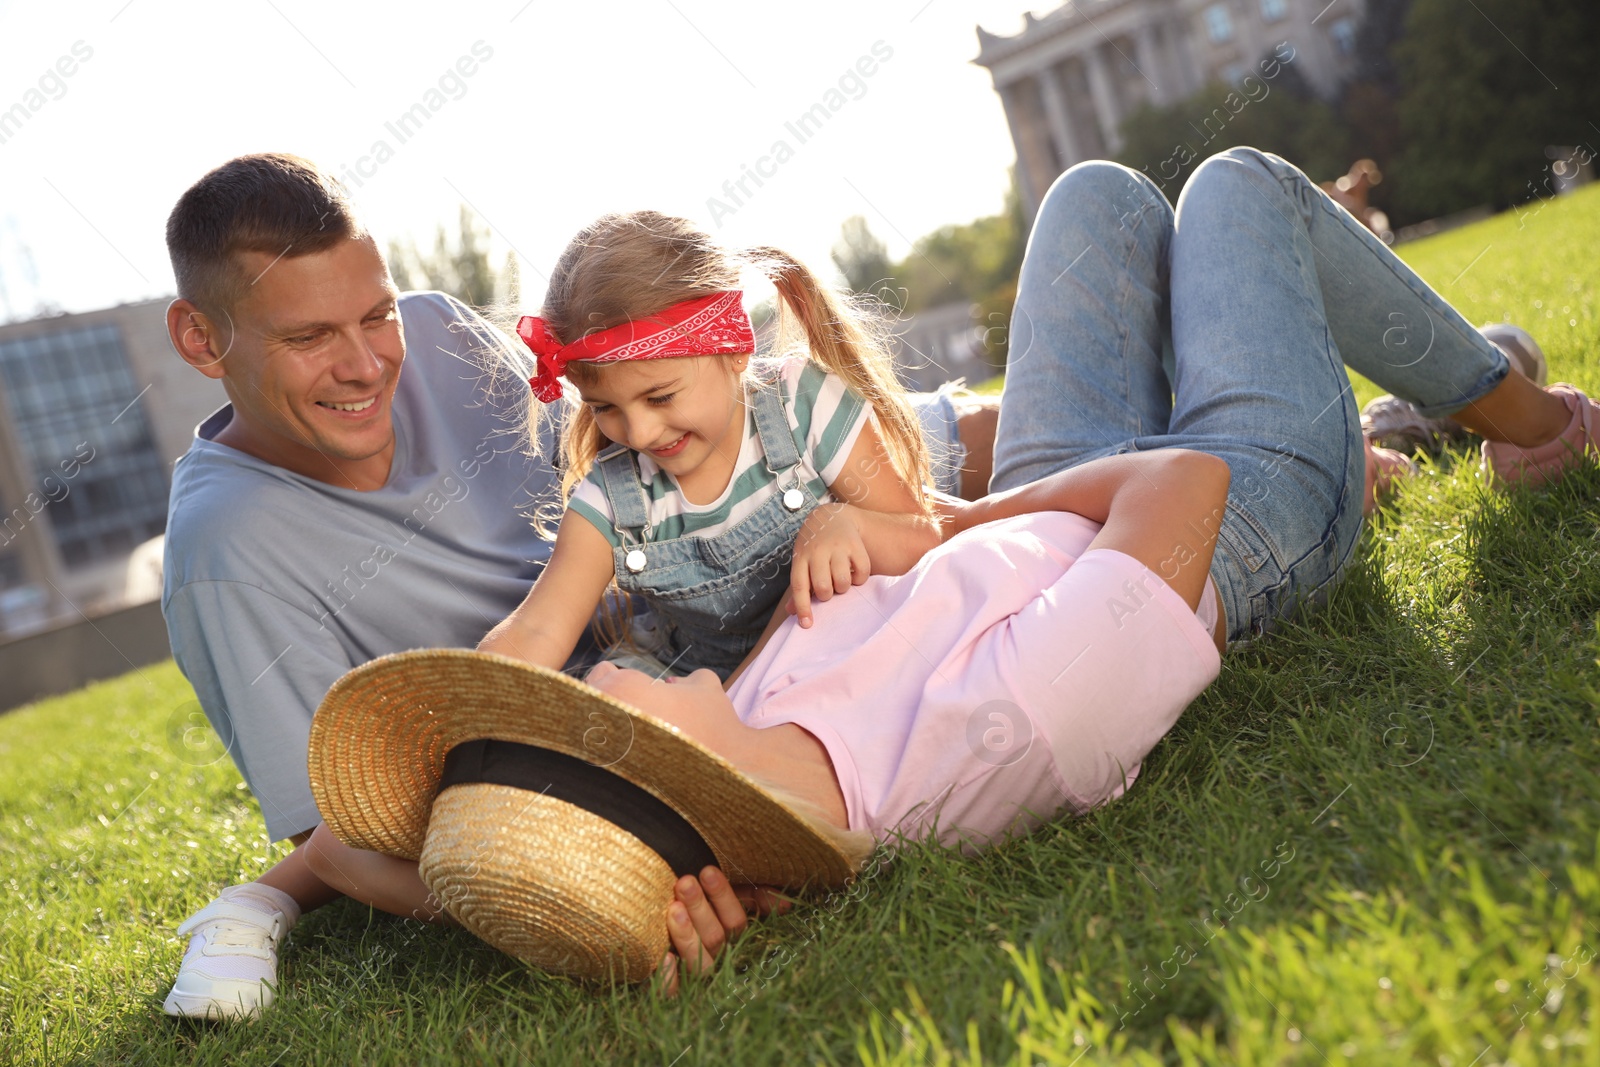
(277, 584)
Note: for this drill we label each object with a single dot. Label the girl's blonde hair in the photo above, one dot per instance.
(627, 266)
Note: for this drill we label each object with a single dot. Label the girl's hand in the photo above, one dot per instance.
(829, 557)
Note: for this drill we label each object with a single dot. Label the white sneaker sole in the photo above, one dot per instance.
(230, 1000)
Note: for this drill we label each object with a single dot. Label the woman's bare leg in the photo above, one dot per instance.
(1516, 411)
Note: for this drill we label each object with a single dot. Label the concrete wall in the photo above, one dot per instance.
(61, 660)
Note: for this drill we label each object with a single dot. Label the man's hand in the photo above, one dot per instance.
(708, 913)
(829, 557)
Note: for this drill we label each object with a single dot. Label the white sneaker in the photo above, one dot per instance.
(231, 966)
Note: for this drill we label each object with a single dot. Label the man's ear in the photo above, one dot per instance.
(198, 339)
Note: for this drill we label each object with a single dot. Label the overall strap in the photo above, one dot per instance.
(772, 426)
(624, 489)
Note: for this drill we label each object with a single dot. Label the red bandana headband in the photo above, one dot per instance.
(706, 326)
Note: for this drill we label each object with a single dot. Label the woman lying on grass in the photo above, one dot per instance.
(1144, 515)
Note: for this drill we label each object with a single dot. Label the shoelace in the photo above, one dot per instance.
(243, 939)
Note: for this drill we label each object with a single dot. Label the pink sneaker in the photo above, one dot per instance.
(1506, 464)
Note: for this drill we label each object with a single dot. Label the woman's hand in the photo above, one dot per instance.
(829, 557)
(708, 913)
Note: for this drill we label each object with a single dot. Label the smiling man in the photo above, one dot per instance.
(362, 493)
(335, 510)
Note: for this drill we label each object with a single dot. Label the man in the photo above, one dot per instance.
(336, 510)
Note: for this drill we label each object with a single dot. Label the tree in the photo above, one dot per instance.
(1369, 103)
(1280, 115)
(860, 256)
(1382, 25)
(457, 265)
(977, 262)
(1485, 89)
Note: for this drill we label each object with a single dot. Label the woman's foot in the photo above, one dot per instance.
(1384, 466)
(1506, 464)
(1395, 423)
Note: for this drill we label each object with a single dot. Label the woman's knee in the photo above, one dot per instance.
(1099, 186)
(1228, 170)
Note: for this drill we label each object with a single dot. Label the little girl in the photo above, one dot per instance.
(695, 480)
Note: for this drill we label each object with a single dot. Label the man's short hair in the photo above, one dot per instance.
(273, 203)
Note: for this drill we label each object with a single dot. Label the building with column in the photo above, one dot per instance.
(1071, 76)
(94, 410)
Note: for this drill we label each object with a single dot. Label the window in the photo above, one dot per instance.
(1218, 25)
(69, 392)
(1234, 74)
(1343, 32)
(1273, 10)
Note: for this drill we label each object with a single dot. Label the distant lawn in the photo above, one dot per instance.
(1373, 841)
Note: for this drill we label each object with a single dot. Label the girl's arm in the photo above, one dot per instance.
(546, 626)
(878, 528)
(896, 529)
(1162, 507)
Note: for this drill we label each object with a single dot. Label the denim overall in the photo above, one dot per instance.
(712, 596)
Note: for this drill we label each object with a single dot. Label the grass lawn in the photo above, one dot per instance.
(1374, 840)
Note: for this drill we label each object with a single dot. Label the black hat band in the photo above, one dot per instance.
(582, 784)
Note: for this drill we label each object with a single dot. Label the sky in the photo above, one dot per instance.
(538, 115)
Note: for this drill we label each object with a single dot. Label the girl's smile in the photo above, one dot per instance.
(686, 413)
(672, 449)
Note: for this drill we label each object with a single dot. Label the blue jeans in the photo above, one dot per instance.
(1224, 327)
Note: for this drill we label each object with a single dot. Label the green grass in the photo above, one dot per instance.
(1374, 840)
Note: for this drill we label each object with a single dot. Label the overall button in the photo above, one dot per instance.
(793, 499)
(634, 561)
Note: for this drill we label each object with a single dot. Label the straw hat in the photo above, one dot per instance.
(551, 820)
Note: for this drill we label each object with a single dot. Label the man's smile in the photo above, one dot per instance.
(354, 405)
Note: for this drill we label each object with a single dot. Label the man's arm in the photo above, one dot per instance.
(260, 666)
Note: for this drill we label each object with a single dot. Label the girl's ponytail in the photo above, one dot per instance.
(840, 340)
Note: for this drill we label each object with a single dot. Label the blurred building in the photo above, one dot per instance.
(938, 345)
(1071, 76)
(94, 410)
